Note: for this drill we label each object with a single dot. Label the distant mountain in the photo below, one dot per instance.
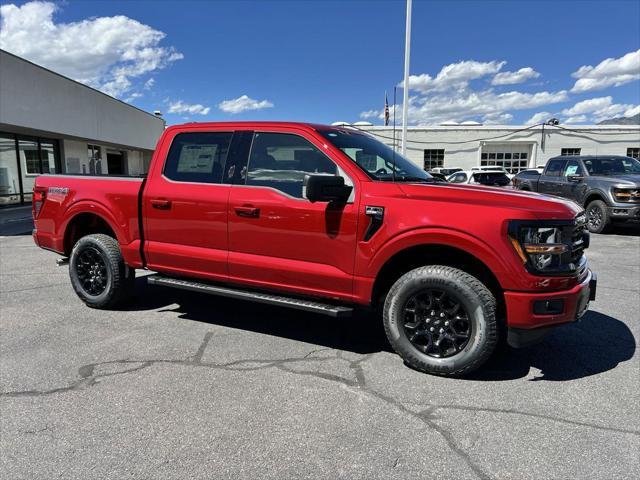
(635, 120)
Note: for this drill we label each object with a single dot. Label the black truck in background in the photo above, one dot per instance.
(608, 187)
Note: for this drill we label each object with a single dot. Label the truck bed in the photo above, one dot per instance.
(60, 200)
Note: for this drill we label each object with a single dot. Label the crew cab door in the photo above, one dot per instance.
(185, 202)
(277, 238)
(572, 184)
(550, 180)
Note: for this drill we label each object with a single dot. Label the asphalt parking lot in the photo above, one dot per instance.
(180, 385)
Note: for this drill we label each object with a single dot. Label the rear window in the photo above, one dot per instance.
(198, 157)
(496, 179)
(554, 168)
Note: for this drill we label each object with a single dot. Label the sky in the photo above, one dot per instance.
(494, 62)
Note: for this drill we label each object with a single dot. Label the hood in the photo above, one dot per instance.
(528, 204)
(632, 180)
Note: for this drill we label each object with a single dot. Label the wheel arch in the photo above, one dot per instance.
(594, 195)
(416, 256)
(85, 223)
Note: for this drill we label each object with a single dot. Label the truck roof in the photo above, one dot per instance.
(312, 126)
(585, 157)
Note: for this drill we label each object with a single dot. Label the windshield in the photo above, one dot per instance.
(612, 166)
(491, 178)
(374, 157)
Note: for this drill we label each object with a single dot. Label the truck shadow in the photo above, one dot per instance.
(626, 230)
(596, 344)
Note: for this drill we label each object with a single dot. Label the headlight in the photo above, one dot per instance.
(626, 194)
(552, 248)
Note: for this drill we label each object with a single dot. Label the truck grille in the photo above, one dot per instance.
(578, 239)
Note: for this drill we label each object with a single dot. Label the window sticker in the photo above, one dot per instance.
(572, 170)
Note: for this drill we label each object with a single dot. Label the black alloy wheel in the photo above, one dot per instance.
(594, 217)
(98, 272)
(598, 220)
(92, 272)
(441, 320)
(436, 323)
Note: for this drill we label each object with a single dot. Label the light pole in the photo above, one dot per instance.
(405, 99)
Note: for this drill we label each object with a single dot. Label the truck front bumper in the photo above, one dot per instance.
(623, 211)
(530, 316)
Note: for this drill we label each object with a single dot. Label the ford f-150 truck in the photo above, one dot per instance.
(326, 220)
(607, 186)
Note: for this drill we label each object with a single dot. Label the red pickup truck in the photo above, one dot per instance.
(326, 219)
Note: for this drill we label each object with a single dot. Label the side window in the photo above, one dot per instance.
(198, 157)
(572, 168)
(459, 178)
(554, 167)
(281, 160)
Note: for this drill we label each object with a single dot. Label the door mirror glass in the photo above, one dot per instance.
(326, 188)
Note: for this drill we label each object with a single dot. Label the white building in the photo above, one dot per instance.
(514, 147)
(52, 124)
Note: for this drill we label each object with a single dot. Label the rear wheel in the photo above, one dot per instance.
(441, 320)
(98, 273)
(598, 220)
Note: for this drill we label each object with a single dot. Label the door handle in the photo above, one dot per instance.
(248, 211)
(161, 204)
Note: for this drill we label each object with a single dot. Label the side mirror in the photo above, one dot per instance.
(575, 178)
(326, 188)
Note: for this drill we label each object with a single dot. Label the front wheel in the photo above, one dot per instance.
(441, 320)
(598, 219)
(98, 273)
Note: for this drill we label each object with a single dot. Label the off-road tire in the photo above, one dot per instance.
(119, 277)
(605, 220)
(473, 295)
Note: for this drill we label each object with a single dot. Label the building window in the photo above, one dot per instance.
(513, 162)
(95, 160)
(32, 159)
(570, 152)
(633, 152)
(433, 158)
(21, 160)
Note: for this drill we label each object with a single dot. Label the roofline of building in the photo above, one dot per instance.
(502, 127)
(81, 84)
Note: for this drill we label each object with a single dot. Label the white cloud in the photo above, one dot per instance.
(485, 105)
(108, 53)
(132, 97)
(598, 109)
(630, 112)
(370, 114)
(612, 111)
(497, 118)
(609, 72)
(576, 119)
(454, 75)
(450, 95)
(511, 78)
(539, 117)
(149, 84)
(588, 106)
(242, 104)
(191, 109)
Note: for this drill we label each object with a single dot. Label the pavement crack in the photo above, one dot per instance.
(535, 415)
(47, 430)
(90, 375)
(197, 358)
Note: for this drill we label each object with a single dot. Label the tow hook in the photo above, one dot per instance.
(61, 262)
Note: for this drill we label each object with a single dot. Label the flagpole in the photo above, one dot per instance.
(405, 100)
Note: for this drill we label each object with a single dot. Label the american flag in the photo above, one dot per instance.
(386, 110)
